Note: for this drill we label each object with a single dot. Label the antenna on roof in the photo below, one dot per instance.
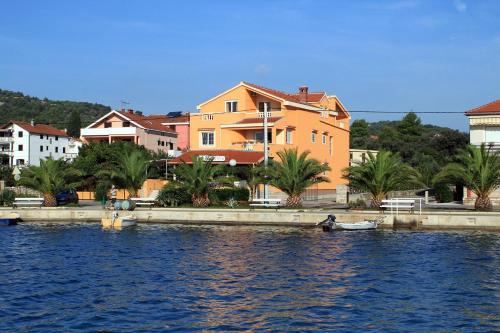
(124, 104)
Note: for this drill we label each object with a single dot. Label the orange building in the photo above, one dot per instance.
(314, 121)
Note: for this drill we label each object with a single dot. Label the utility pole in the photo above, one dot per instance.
(266, 152)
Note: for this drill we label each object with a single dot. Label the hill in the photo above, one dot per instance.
(17, 106)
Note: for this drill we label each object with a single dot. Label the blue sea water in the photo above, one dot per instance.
(158, 278)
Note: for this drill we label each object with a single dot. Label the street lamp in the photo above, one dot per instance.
(266, 152)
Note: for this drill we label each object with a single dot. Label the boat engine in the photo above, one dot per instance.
(328, 224)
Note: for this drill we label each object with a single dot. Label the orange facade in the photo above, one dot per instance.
(307, 121)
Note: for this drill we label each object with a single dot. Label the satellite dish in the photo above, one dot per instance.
(17, 173)
(232, 162)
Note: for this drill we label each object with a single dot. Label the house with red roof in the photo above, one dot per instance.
(132, 126)
(24, 143)
(484, 124)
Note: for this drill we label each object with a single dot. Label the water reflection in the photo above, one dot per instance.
(162, 278)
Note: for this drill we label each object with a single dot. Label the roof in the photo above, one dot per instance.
(240, 156)
(148, 122)
(38, 128)
(493, 107)
(258, 120)
(312, 97)
(174, 120)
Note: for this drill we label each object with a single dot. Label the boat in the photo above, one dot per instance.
(9, 219)
(118, 222)
(331, 224)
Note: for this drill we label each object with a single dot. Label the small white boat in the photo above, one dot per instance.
(118, 222)
(330, 224)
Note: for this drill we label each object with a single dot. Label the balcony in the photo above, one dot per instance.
(251, 145)
(6, 139)
(113, 131)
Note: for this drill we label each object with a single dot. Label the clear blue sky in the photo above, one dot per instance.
(399, 55)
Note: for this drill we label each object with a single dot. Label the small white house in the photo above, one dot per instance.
(23, 143)
(358, 156)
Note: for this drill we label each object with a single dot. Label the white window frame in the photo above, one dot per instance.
(208, 144)
(289, 139)
(313, 137)
(230, 104)
(207, 116)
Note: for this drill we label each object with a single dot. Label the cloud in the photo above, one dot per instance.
(262, 69)
(460, 6)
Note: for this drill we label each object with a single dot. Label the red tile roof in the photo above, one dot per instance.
(240, 156)
(312, 97)
(38, 128)
(258, 120)
(149, 122)
(493, 107)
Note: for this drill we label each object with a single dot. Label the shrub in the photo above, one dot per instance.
(225, 194)
(172, 195)
(7, 197)
(443, 193)
(359, 203)
(101, 192)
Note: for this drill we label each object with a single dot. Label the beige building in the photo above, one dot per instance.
(358, 156)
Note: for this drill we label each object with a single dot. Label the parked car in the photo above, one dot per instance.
(66, 197)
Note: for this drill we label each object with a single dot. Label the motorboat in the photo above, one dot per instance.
(331, 224)
(118, 222)
(9, 219)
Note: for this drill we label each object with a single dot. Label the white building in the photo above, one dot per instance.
(358, 156)
(484, 124)
(26, 144)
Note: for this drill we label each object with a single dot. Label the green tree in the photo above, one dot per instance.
(380, 175)
(49, 178)
(131, 171)
(294, 173)
(255, 177)
(478, 168)
(74, 124)
(410, 125)
(360, 134)
(197, 179)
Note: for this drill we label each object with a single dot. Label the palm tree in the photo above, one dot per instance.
(49, 178)
(478, 168)
(380, 175)
(197, 178)
(131, 171)
(255, 177)
(294, 173)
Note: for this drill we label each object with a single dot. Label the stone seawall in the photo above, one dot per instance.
(294, 218)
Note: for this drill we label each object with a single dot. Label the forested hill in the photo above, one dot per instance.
(415, 142)
(17, 106)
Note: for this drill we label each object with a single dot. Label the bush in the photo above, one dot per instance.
(101, 193)
(7, 197)
(173, 195)
(219, 195)
(359, 204)
(443, 193)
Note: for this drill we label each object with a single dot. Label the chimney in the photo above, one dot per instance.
(131, 111)
(32, 122)
(303, 91)
(122, 110)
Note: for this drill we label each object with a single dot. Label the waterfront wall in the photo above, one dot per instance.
(300, 218)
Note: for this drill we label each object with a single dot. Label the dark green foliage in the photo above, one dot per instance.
(74, 124)
(173, 195)
(7, 197)
(17, 106)
(6, 175)
(443, 193)
(101, 192)
(221, 195)
(410, 139)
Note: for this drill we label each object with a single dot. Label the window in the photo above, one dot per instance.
(57, 138)
(323, 139)
(324, 114)
(107, 124)
(262, 104)
(64, 150)
(331, 146)
(207, 117)
(159, 143)
(20, 134)
(47, 148)
(20, 147)
(41, 148)
(50, 141)
(126, 124)
(289, 137)
(41, 136)
(57, 149)
(259, 136)
(313, 137)
(20, 162)
(231, 106)
(46, 137)
(170, 145)
(207, 138)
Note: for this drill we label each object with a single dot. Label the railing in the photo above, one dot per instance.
(261, 114)
(109, 131)
(6, 139)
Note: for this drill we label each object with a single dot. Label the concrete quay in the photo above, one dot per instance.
(283, 217)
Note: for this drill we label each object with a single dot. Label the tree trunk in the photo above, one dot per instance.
(201, 200)
(293, 201)
(377, 200)
(483, 203)
(49, 200)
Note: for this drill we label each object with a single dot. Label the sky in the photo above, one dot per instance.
(162, 56)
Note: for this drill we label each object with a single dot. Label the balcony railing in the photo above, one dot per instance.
(6, 139)
(109, 131)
